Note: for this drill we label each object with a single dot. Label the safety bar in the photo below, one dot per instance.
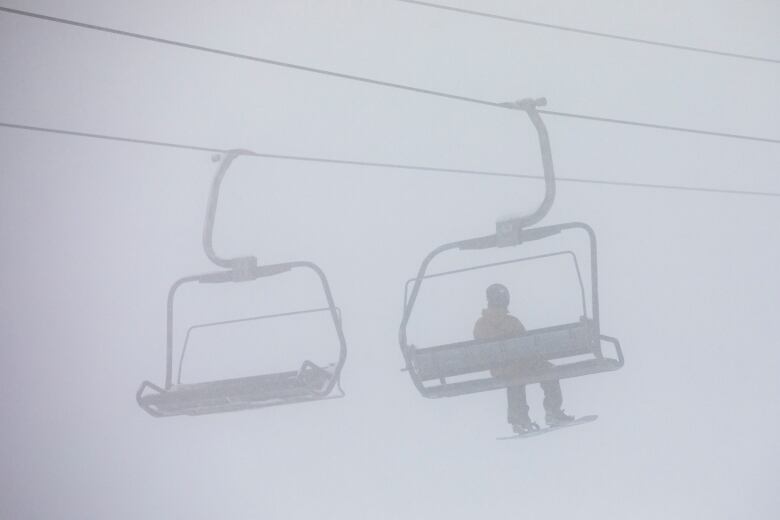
(239, 320)
(507, 262)
(280, 268)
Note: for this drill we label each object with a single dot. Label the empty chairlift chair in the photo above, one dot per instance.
(573, 349)
(310, 382)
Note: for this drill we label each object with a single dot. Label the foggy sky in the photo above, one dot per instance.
(94, 232)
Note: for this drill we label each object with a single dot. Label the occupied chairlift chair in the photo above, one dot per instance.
(468, 365)
(309, 383)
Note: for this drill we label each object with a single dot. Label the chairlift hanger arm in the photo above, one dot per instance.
(240, 264)
(529, 106)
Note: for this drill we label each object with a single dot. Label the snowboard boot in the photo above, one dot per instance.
(557, 418)
(524, 425)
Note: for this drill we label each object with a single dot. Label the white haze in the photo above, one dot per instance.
(93, 233)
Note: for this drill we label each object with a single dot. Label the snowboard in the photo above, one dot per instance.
(541, 431)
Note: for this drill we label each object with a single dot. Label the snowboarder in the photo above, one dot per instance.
(496, 323)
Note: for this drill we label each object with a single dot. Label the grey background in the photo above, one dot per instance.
(93, 233)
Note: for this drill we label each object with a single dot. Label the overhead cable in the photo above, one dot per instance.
(587, 32)
(387, 165)
(377, 82)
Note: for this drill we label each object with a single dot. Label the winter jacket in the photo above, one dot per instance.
(497, 323)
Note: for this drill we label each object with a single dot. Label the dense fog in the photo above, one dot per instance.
(94, 232)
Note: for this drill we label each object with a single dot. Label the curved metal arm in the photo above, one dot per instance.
(211, 210)
(507, 227)
(169, 327)
(335, 313)
(421, 275)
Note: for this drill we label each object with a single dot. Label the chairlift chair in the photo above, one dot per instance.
(470, 366)
(309, 383)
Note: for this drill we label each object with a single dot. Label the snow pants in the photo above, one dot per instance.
(517, 404)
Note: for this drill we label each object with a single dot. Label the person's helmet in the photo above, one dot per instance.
(497, 295)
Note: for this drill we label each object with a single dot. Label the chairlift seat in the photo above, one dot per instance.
(308, 384)
(550, 343)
